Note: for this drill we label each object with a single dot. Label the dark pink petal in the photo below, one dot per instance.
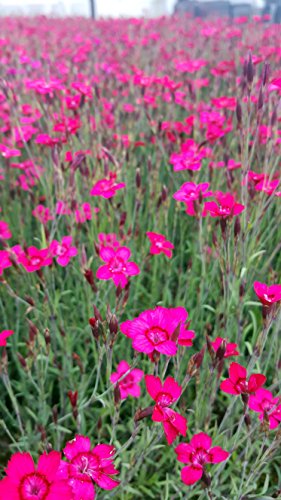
(82, 489)
(184, 453)
(104, 451)
(48, 464)
(153, 386)
(169, 348)
(228, 387)
(60, 490)
(237, 372)
(123, 253)
(142, 344)
(158, 414)
(78, 445)
(256, 381)
(103, 273)
(106, 254)
(9, 490)
(172, 387)
(170, 432)
(217, 454)
(19, 465)
(105, 482)
(201, 440)
(192, 474)
(132, 269)
(119, 279)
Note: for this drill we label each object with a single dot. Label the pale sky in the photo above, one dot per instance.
(113, 8)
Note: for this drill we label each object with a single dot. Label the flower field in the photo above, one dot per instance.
(140, 259)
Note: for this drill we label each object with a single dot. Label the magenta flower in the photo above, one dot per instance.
(4, 335)
(153, 330)
(196, 454)
(108, 240)
(230, 347)
(129, 385)
(63, 251)
(265, 404)
(5, 233)
(164, 396)
(25, 481)
(190, 157)
(32, 259)
(225, 206)
(268, 295)
(191, 193)
(159, 244)
(4, 261)
(43, 214)
(107, 187)
(117, 266)
(86, 465)
(237, 382)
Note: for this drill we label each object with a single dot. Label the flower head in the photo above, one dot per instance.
(33, 258)
(128, 385)
(5, 233)
(268, 294)
(196, 454)
(63, 251)
(264, 403)
(230, 347)
(237, 382)
(86, 465)
(107, 188)
(225, 206)
(159, 244)
(25, 481)
(164, 396)
(116, 265)
(154, 329)
(4, 261)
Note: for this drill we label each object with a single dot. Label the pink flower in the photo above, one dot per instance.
(25, 481)
(117, 266)
(107, 187)
(4, 261)
(5, 233)
(164, 396)
(191, 193)
(153, 330)
(237, 382)
(268, 295)
(32, 259)
(108, 240)
(196, 454)
(267, 186)
(86, 465)
(42, 213)
(63, 251)
(4, 335)
(230, 348)
(159, 244)
(264, 403)
(225, 206)
(129, 385)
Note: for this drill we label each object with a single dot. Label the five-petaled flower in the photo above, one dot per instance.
(63, 251)
(237, 382)
(128, 385)
(268, 295)
(165, 395)
(25, 481)
(196, 454)
(107, 187)
(264, 403)
(154, 330)
(86, 465)
(159, 244)
(225, 206)
(32, 259)
(116, 265)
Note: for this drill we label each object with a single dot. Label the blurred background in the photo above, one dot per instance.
(103, 8)
(138, 8)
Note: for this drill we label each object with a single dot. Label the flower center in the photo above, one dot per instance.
(199, 457)
(127, 381)
(117, 265)
(84, 466)
(164, 399)
(35, 261)
(157, 335)
(34, 486)
(61, 250)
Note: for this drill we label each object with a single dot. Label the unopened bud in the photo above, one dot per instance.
(89, 276)
(138, 178)
(265, 73)
(237, 227)
(113, 325)
(164, 193)
(221, 350)
(22, 360)
(176, 332)
(117, 395)
(239, 115)
(210, 348)
(141, 414)
(260, 99)
(250, 69)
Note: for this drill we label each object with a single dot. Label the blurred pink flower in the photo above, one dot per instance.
(129, 385)
(159, 244)
(117, 266)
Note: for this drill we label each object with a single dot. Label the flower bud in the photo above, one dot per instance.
(117, 395)
(138, 178)
(239, 113)
(141, 414)
(250, 69)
